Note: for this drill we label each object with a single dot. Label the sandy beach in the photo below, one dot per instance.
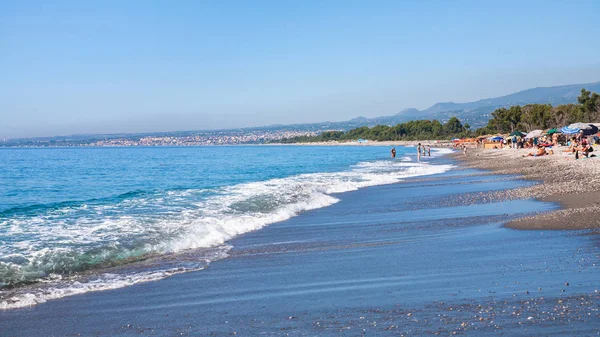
(574, 184)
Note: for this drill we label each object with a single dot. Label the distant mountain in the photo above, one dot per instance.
(477, 113)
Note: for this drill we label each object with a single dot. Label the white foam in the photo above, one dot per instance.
(64, 289)
(59, 287)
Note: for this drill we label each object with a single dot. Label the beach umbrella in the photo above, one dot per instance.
(588, 129)
(517, 133)
(496, 138)
(568, 131)
(552, 131)
(581, 126)
(534, 134)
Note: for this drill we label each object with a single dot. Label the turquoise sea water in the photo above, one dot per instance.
(67, 213)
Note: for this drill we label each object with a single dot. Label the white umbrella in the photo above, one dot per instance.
(534, 134)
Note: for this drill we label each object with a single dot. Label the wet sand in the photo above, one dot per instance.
(428, 256)
(574, 184)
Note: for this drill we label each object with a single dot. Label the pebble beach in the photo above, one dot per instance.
(573, 183)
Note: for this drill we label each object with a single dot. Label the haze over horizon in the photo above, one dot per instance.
(77, 67)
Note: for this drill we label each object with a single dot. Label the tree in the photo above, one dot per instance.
(566, 114)
(590, 103)
(453, 126)
(537, 116)
(505, 120)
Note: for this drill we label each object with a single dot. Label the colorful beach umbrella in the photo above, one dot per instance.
(517, 133)
(552, 131)
(568, 131)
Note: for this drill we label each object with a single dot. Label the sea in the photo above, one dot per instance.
(281, 241)
(79, 220)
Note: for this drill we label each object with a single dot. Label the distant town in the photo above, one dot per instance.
(187, 139)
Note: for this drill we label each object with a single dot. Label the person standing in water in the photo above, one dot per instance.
(393, 153)
(419, 152)
(428, 151)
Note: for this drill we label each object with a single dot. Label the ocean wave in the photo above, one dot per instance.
(64, 241)
(28, 209)
(59, 287)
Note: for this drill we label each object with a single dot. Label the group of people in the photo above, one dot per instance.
(545, 141)
(581, 145)
(421, 150)
(577, 145)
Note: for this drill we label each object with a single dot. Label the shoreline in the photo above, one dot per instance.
(432, 143)
(573, 184)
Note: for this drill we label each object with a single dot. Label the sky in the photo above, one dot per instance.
(72, 67)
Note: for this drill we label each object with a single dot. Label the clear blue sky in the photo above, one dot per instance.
(134, 66)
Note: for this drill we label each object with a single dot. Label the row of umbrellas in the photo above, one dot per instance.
(588, 129)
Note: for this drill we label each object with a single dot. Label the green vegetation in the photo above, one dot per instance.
(544, 116)
(522, 118)
(413, 130)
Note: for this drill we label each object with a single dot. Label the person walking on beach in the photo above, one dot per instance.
(428, 150)
(465, 150)
(393, 153)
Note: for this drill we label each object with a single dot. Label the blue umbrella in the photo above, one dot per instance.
(567, 130)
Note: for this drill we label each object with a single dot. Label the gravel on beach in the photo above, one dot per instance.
(575, 184)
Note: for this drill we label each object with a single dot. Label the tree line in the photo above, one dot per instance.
(544, 116)
(412, 130)
(504, 120)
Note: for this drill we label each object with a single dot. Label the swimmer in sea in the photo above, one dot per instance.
(393, 153)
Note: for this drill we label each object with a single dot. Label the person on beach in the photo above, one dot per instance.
(428, 150)
(579, 136)
(419, 152)
(573, 145)
(540, 152)
(585, 148)
(393, 153)
(465, 150)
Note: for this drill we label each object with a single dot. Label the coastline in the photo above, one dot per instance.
(573, 184)
(432, 143)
